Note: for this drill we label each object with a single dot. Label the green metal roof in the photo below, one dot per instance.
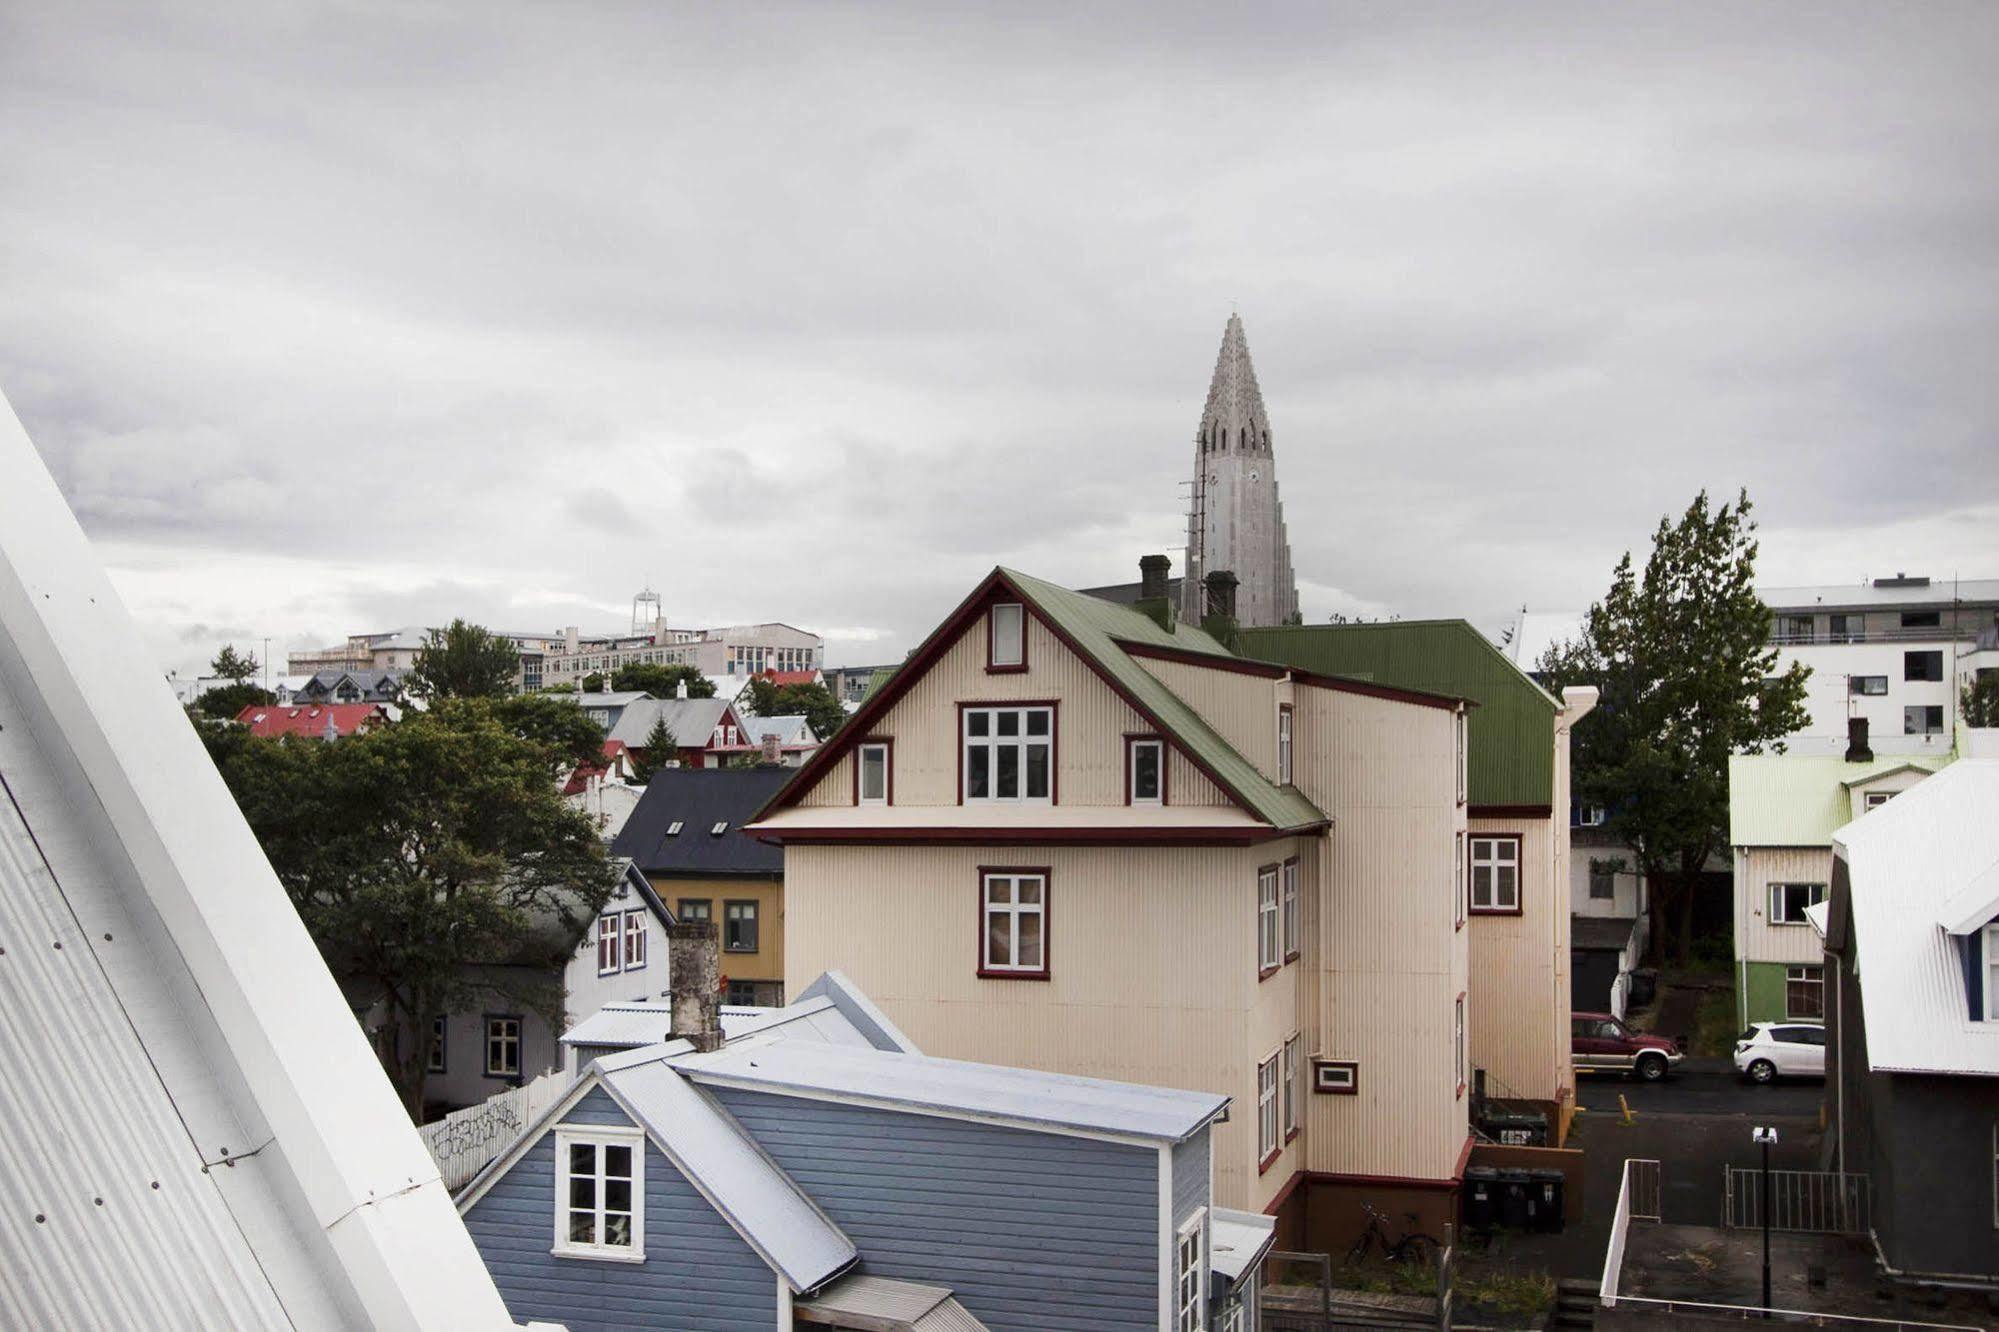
(1095, 625)
(1512, 760)
(877, 680)
(1802, 799)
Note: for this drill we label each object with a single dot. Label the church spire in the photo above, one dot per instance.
(1234, 420)
(1235, 521)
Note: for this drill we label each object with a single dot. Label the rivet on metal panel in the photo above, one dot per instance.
(40, 1219)
(58, 945)
(107, 937)
(156, 1183)
(98, 1201)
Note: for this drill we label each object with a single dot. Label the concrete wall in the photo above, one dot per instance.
(1827, 693)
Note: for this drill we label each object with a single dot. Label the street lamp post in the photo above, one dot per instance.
(1765, 1137)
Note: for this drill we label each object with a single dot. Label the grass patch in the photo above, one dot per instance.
(1714, 1023)
(1520, 1294)
(1387, 1278)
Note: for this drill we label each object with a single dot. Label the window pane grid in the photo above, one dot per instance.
(1268, 940)
(1009, 755)
(1014, 908)
(1495, 874)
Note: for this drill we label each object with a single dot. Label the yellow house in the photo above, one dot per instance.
(1085, 837)
(686, 835)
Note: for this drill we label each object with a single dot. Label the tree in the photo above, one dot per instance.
(230, 664)
(659, 749)
(1979, 700)
(225, 701)
(420, 854)
(593, 683)
(1682, 656)
(663, 681)
(558, 726)
(821, 709)
(463, 661)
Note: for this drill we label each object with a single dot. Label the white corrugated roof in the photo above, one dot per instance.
(193, 1130)
(1027, 1097)
(632, 1025)
(769, 1211)
(1905, 862)
(907, 1306)
(1238, 1240)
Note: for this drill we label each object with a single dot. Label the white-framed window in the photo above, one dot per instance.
(1495, 874)
(1290, 1092)
(635, 940)
(1266, 1109)
(1990, 937)
(1233, 1315)
(599, 1184)
(503, 1047)
(1285, 722)
(1876, 799)
(1458, 1042)
(873, 778)
(1458, 879)
(1293, 932)
(434, 1061)
(1462, 749)
(1009, 755)
(1189, 1308)
(1789, 900)
(1013, 917)
(1006, 637)
(607, 945)
(1269, 928)
(1145, 771)
(1804, 992)
(740, 927)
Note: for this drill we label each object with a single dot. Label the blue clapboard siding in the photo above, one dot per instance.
(698, 1276)
(1035, 1232)
(1190, 1178)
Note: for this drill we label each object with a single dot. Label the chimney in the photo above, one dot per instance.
(1221, 586)
(1152, 572)
(572, 638)
(1856, 741)
(773, 753)
(694, 979)
(680, 690)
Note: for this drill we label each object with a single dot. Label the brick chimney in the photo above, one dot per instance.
(773, 752)
(1152, 574)
(694, 970)
(1857, 750)
(1221, 585)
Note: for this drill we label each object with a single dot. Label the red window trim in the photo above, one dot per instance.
(1460, 879)
(1351, 1065)
(1464, 1038)
(992, 667)
(1047, 917)
(1285, 710)
(1269, 1160)
(1054, 706)
(1519, 879)
(1132, 738)
(1276, 870)
(1292, 954)
(888, 763)
(617, 942)
(626, 937)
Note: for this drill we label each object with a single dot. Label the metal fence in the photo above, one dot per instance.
(465, 1140)
(1637, 1200)
(1822, 1202)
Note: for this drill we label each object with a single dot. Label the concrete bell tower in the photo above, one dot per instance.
(1235, 522)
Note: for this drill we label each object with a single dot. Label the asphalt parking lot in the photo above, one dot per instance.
(1702, 1087)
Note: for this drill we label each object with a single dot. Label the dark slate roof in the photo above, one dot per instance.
(698, 799)
(1128, 594)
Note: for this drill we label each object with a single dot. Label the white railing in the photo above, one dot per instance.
(1809, 1317)
(1637, 1200)
(465, 1140)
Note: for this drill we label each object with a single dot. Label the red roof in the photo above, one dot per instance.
(579, 780)
(782, 678)
(310, 719)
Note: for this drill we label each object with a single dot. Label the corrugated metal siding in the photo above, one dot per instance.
(1091, 724)
(1756, 868)
(1152, 953)
(698, 1274)
(1391, 963)
(1520, 1004)
(1190, 1177)
(1241, 708)
(1029, 1230)
(1510, 761)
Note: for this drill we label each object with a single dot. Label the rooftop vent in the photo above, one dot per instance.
(1857, 749)
(1903, 580)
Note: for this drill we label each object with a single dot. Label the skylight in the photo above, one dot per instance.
(719, 829)
(673, 829)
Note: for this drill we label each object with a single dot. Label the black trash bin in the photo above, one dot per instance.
(1515, 1213)
(1545, 1190)
(1481, 1198)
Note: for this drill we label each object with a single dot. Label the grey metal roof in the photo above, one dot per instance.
(609, 698)
(698, 799)
(630, 1026)
(767, 1209)
(789, 728)
(692, 720)
(1238, 1240)
(1610, 933)
(884, 1303)
(1024, 1097)
(1870, 596)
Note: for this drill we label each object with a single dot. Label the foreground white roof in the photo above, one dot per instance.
(1913, 864)
(193, 1129)
(1019, 1096)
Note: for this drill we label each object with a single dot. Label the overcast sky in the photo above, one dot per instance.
(380, 314)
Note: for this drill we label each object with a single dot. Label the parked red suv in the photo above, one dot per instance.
(1599, 1040)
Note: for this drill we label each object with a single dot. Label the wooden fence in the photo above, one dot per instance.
(465, 1140)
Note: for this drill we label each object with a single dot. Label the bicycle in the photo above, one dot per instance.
(1413, 1247)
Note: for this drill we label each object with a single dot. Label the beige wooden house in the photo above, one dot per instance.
(1082, 837)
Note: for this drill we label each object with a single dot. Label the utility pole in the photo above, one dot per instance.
(1765, 1137)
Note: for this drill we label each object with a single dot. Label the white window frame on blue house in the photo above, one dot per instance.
(635, 941)
(1190, 1302)
(598, 1137)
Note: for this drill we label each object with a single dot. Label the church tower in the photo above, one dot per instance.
(1235, 521)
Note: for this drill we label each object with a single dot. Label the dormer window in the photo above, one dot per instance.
(1006, 637)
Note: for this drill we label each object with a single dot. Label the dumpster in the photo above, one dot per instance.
(1544, 1190)
(1516, 1128)
(1481, 1195)
(1515, 1205)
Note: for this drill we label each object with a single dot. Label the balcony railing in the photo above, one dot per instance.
(1824, 637)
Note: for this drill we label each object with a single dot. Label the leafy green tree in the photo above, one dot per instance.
(593, 683)
(663, 681)
(659, 749)
(233, 665)
(1979, 701)
(821, 709)
(418, 855)
(463, 661)
(225, 701)
(1682, 656)
(558, 726)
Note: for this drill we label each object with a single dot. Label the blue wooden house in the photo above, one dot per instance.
(787, 1180)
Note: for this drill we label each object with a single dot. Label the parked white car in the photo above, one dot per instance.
(1771, 1050)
